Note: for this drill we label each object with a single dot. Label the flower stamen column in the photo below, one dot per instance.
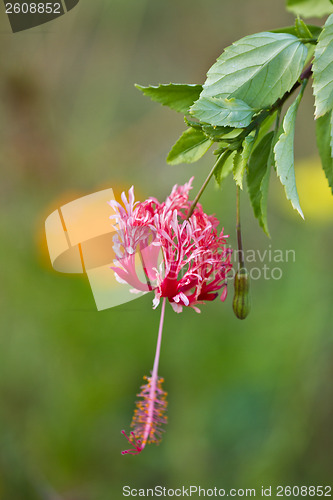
(150, 412)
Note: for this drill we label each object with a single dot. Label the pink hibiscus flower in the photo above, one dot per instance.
(195, 259)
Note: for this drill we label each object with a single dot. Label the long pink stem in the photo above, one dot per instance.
(154, 379)
(159, 340)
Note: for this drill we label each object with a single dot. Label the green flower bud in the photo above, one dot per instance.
(242, 300)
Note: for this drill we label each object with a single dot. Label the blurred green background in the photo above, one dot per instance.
(250, 403)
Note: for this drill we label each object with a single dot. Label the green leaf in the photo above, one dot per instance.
(266, 126)
(241, 158)
(284, 155)
(238, 168)
(331, 131)
(258, 179)
(222, 112)
(222, 147)
(315, 30)
(324, 133)
(224, 167)
(302, 29)
(192, 123)
(264, 198)
(177, 96)
(257, 69)
(190, 147)
(216, 134)
(310, 8)
(323, 70)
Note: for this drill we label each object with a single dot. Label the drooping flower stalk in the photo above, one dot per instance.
(185, 261)
(149, 415)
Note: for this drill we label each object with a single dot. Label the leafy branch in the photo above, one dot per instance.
(239, 109)
(243, 96)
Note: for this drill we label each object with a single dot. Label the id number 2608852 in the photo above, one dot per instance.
(33, 8)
